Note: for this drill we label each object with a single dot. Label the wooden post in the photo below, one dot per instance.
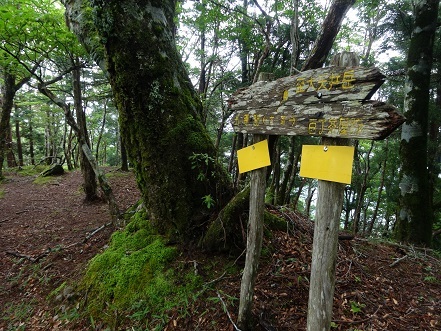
(325, 244)
(254, 237)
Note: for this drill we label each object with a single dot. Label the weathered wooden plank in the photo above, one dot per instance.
(370, 120)
(331, 84)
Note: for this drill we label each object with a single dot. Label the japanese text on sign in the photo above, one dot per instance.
(342, 126)
(345, 81)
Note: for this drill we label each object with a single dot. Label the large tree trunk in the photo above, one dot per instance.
(416, 217)
(159, 111)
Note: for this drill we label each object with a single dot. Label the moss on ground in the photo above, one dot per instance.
(136, 279)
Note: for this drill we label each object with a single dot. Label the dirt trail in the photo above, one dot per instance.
(42, 228)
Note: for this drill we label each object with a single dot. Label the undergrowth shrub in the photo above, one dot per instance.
(135, 279)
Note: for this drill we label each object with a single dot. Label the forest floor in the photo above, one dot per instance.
(45, 241)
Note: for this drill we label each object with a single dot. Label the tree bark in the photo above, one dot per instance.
(416, 217)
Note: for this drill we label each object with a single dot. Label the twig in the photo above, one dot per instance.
(94, 232)
(6, 219)
(215, 280)
(90, 235)
(226, 310)
(398, 261)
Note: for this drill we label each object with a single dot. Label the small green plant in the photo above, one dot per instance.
(430, 279)
(2, 194)
(356, 307)
(202, 162)
(208, 201)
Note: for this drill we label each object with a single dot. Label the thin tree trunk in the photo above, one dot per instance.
(10, 156)
(31, 143)
(294, 35)
(380, 191)
(89, 177)
(281, 197)
(100, 135)
(19, 146)
(362, 191)
(330, 27)
(124, 161)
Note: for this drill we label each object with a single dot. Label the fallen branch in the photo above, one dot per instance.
(29, 257)
(90, 235)
(226, 310)
(398, 261)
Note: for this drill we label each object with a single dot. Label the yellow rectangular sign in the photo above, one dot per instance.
(253, 157)
(331, 163)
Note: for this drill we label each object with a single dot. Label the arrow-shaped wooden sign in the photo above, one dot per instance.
(327, 102)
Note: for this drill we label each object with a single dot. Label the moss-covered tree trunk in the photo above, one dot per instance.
(415, 219)
(158, 109)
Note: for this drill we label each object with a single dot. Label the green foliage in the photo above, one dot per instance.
(356, 307)
(202, 163)
(208, 201)
(134, 277)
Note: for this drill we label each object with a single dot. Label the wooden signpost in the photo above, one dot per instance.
(331, 103)
(327, 102)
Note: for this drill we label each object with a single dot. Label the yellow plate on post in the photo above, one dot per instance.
(331, 163)
(253, 157)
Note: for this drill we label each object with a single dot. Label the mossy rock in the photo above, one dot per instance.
(56, 170)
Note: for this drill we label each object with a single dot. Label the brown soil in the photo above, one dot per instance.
(380, 286)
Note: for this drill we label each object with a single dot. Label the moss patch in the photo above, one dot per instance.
(135, 279)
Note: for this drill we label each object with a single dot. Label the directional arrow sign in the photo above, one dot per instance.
(327, 102)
